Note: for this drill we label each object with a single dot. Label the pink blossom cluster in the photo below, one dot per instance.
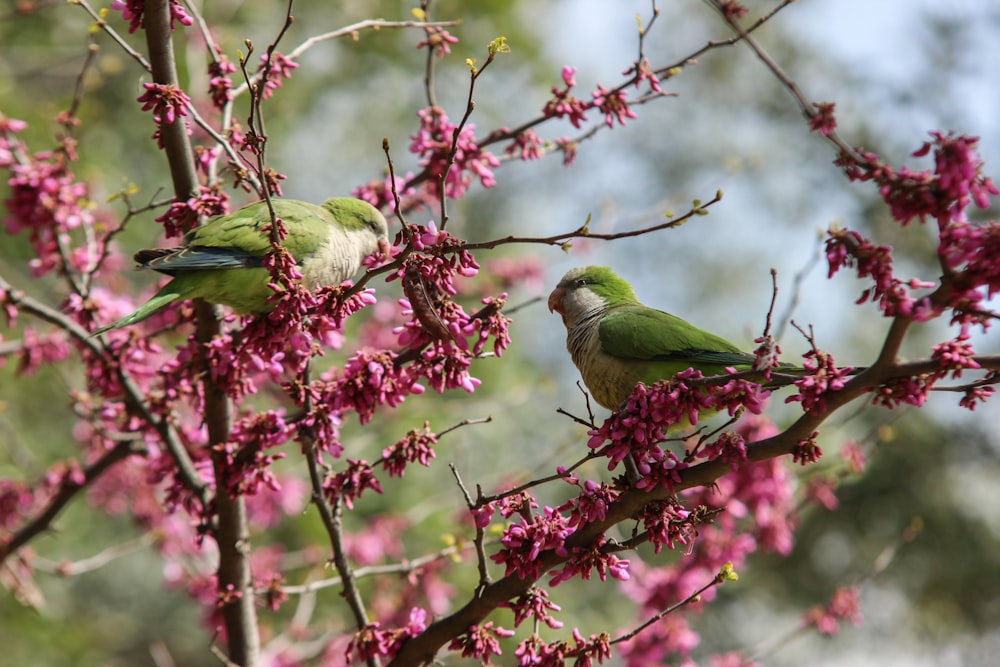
(846, 248)
(591, 504)
(641, 425)
(373, 642)
(480, 641)
(969, 250)
(642, 71)
(731, 659)
(597, 557)
(369, 379)
(133, 11)
(451, 153)
(823, 119)
(246, 461)
(509, 504)
(844, 605)
(534, 652)
(943, 193)
(415, 447)
(613, 103)
(824, 378)
(350, 483)
(564, 104)
(807, 450)
(219, 82)
(39, 350)
(168, 104)
(183, 216)
(46, 201)
(534, 604)
(436, 325)
(378, 193)
(278, 66)
(732, 9)
(524, 542)
(438, 41)
(21, 500)
(758, 514)
(526, 145)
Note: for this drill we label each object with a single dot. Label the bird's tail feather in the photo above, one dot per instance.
(148, 309)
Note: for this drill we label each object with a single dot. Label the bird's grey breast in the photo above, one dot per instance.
(335, 260)
(609, 379)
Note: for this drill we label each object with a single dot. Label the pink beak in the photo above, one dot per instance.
(556, 299)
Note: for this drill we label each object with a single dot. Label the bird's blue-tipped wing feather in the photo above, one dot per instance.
(643, 333)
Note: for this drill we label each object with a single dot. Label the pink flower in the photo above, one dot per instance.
(854, 455)
(613, 105)
(643, 71)
(822, 491)
(524, 542)
(350, 484)
(844, 605)
(372, 641)
(565, 105)
(434, 143)
(481, 641)
(825, 378)
(956, 355)
(279, 66)
(568, 76)
(583, 561)
(526, 146)
(416, 446)
(807, 451)
(438, 40)
(167, 101)
(220, 83)
(133, 10)
(731, 9)
(183, 216)
(823, 120)
(533, 604)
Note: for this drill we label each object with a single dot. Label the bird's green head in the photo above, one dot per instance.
(586, 290)
(358, 216)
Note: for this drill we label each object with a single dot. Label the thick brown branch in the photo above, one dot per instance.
(231, 530)
(423, 648)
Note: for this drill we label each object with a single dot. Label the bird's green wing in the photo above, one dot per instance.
(645, 334)
(240, 239)
(244, 230)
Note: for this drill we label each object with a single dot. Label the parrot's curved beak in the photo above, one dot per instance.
(556, 299)
(383, 249)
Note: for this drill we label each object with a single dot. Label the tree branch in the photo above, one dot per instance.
(68, 489)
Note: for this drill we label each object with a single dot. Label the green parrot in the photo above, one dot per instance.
(617, 342)
(222, 260)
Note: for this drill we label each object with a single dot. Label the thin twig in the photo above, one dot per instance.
(478, 541)
(348, 30)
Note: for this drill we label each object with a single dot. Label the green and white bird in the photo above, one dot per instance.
(222, 260)
(617, 342)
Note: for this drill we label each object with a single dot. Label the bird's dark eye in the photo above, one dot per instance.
(580, 282)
